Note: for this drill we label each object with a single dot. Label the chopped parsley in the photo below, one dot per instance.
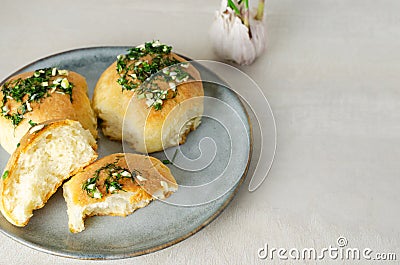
(167, 162)
(90, 187)
(5, 175)
(135, 70)
(40, 85)
(32, 124)
(112, 175)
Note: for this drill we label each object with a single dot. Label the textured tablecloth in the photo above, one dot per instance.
(332, 75)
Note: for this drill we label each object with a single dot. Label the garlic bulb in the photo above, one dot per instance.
(231, 37)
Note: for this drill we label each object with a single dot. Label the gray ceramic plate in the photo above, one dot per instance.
(161, 224)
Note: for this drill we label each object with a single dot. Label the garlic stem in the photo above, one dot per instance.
(246, 14)
(260, 10)
(232, 5)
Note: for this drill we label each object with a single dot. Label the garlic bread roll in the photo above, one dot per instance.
(35, 97)
(123, 84)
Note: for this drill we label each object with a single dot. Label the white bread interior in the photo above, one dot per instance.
(47, 157)
(118, 204)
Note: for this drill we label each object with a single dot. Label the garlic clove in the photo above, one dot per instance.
(258, 36)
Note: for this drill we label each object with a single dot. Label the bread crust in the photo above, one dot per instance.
(55, 106)
(28, 141)
(145, 128)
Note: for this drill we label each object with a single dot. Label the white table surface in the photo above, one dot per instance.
(332, 75)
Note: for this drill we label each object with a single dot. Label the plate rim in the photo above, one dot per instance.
(66, 254)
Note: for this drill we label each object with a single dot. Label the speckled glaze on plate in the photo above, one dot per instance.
(154, 227)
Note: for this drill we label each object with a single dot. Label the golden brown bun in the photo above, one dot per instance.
(155, 181)
(56, 106)
(146, 136)
(48, 154)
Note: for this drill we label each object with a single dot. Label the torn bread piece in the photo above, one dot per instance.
(48, 154)
(118, 185)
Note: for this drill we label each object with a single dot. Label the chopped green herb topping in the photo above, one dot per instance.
(40, 85)
(90, 187)
(135, 72)
(113, 175)
(18, 144)
(166, 161)
(32, 124)
(5, 175)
